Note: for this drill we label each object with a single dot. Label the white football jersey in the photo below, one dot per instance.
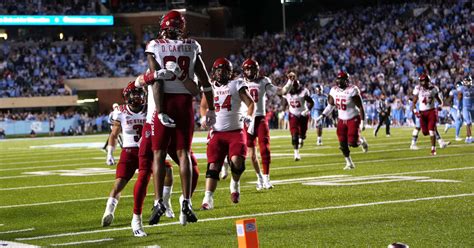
(131, 123)
(297, 101)
(258, 90)
(426, 97)
(346, 108)
(150, 105)
(183, 52)
(228, 106)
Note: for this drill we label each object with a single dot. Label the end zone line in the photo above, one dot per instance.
(17, 231)
(83, 242)
(258, 214)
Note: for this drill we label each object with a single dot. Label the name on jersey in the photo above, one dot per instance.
(135, 121)
(177, 48)
(222, 92)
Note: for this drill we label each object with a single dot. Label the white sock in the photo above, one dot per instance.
(208, 195)
(155, 202)
(320, 139)
(167, 190)
(433, 148)
(111, 205)
(348, 160)
(137, 217)
(297, 153)
(259, 176)
(266, 178)
(234, 186)
(413, 143)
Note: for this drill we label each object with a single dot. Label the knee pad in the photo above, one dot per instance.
(344, 148)
(237, 171)
(212, 173)
(295, 141)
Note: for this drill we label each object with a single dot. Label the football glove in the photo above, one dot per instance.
(210, 118)
(174, 68)
(110, 156)
(305, 112)
(166, 120)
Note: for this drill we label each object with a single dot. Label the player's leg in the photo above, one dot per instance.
(343, 145)
(319, 131)
(294, 130)
(237, 152)
(167, 191)
(430, 117)
(303, 129)
(353, 134)
(468, 115)
(195, 172)
(264, 147)
(457, 125)
(216, 153)
(381, 121)
(251, 140)
(387, 125)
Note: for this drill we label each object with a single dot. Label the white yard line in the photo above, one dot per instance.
(50, 166)
(83, 242)
(219, 188)
(4, 243)
(18, 231)
(48, 154)
(58, 185)
(45, 161)
(259, 214)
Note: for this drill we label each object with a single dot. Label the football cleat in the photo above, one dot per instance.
(259, 184)
(207, 204)
(468, 140)
(157, 212)
(458, 138)
(107, 219)
(388, 135)
(169, 210)
(433, 151)
(186, 214)
(137, 228)
(365, 146)
(267, 185)
(235, 197)
(319, 143)
(375, 133)
(349, 166)
(444, 144)
(166, 120)
(414, 147)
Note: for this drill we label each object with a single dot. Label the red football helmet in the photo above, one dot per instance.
(342, 79)
(222, 70)
(172, 24)
(250, 69)
(133, 96)
(424, 80)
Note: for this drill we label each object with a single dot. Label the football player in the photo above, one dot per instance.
(226, 136)
(127, 119)
(320, 102)
(300, 103)
(466, 105)
(454, 112)
(258, 88)
(427, 93)
(351, 116)
(174, 52)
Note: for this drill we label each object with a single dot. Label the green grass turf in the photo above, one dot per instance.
(327, 216)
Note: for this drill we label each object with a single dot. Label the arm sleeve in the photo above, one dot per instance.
(150, 47)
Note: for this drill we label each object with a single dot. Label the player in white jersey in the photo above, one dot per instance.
(170, 121)
(226, 136)
(127, 119)
(259, 87)
(297, 97)
(427, 112)
(346, 98)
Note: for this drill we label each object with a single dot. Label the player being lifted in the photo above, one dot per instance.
(146, 160)
(297, 97)
(466, 105)
(258, 88)
(127, 119)
(427, 93)
(226, 136)
(351, 115)
(173, 50)
(320, 102)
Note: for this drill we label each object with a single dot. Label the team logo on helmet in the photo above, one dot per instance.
(172, 24)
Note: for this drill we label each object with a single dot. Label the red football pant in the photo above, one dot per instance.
(348, 131)
(262, 132)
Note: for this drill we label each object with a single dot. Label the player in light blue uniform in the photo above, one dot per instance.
(466, 105)
(454, 112)
(320, 102)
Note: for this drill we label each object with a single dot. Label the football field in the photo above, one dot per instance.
(53, 193)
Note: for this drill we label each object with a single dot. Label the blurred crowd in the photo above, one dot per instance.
(384, 48)
(49, 7)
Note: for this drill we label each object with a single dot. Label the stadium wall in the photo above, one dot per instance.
(25, 127)
(37, 102)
